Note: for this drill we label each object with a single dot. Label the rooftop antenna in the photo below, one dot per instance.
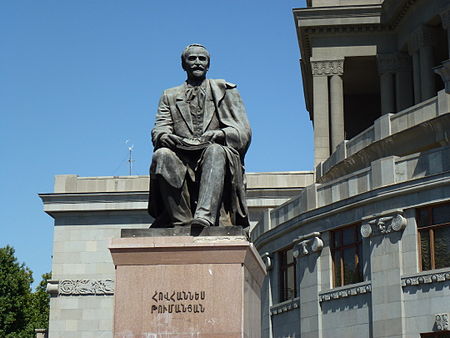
(130, 156)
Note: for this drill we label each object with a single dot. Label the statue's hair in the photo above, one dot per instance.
(183, 55)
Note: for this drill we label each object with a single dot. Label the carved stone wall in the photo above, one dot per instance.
(80, 287)
(308, 244)
(382, 225)
(441, 320)
(327, 68)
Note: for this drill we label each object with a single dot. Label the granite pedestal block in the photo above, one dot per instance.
(185, 286)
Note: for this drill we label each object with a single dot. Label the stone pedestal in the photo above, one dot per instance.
(184, 286)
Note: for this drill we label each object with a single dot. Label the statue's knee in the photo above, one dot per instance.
(162, 154)
(215, 151)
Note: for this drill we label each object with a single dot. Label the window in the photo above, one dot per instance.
(288, 278)
(346, 253)
(433, 225)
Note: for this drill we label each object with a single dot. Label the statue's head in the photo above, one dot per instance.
(195, 61)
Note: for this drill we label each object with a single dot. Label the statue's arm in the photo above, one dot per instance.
(163, 121)
(237, 132)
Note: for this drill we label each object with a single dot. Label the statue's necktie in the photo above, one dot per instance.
(196, 93)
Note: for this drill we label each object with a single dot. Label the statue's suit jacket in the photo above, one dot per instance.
(223, 110)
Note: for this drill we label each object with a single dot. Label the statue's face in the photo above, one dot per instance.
(196, 62)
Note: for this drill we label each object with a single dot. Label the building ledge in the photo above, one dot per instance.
(289, 218)
(345, 291)
(426, 277)
(414, 129)
(285, 306)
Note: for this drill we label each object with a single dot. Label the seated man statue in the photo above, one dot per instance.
(200, 138)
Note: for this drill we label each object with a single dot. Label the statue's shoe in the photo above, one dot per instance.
(197, 225)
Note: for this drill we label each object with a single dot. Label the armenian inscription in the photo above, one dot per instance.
(178, 302)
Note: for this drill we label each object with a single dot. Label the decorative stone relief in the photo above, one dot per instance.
(426, 278)
(267, 259)
(305, 245)
(383, 225)
(327, 68)
(81, 287)
(366, 230)
(285, 306)
(441, 320)
(351, 290)
(345, 29)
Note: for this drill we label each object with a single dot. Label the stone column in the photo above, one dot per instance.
(444, 69)
(420, 46)
(321, 70)
(320, 115)
(416, 78)
(395, 82)
(383, 235)
(307, 251)
(386, 71)
(337, 110)
(269, 286)
(403, 89)
(387, 93)
(445, 18)
(426, 71)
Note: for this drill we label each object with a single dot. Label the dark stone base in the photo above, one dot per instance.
(185, 231)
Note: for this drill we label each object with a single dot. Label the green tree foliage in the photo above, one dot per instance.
(21, 311)
(40, 304)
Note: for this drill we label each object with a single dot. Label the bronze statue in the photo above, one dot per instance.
(200, 138)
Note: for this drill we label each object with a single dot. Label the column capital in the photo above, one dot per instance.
(423, 36)
(392, 63)
(307, 244)
(327, 67)
(445, 17)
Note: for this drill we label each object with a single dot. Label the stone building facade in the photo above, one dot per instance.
(365, 250)
(90, 211)
(358, 248)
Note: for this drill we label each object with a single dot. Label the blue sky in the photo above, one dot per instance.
(79, 78)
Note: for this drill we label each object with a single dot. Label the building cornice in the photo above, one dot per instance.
(346, 19)
(322, 213)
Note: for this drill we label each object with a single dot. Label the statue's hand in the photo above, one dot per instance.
(170, 140)
(215, 136)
